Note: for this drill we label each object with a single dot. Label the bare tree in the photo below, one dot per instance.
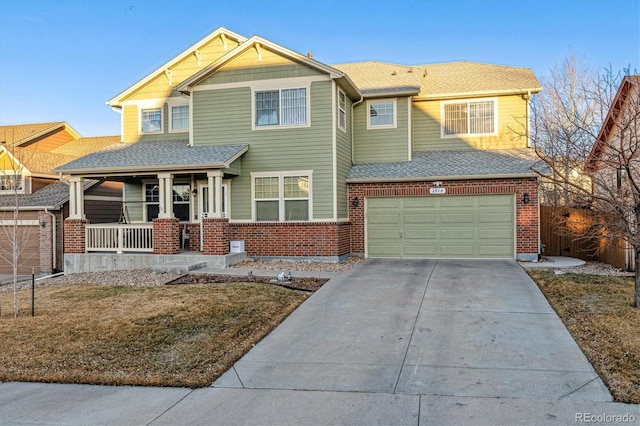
(585, 129)
(12, 184)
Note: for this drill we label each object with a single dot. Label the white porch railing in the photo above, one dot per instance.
(119, 237)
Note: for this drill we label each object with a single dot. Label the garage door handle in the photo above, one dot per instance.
(401, 235)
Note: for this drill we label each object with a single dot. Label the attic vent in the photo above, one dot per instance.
(393, 73)
(310, 55)
(410, 70)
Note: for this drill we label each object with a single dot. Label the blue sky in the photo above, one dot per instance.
(61, 60)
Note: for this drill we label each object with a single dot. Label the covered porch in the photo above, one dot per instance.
(174, 200)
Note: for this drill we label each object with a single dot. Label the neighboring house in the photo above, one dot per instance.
(614, 161)
(240, 139)
(28, 155)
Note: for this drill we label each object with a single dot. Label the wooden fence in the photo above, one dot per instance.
(562, 230)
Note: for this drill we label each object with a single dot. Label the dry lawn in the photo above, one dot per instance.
(185, 335)
(599, 314)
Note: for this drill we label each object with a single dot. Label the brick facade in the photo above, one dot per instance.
(215, 239)
(527, 232)
(74, 235)
(193, 230)
(166, 236)
(303, 239)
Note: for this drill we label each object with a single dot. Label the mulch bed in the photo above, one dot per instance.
(303, 284)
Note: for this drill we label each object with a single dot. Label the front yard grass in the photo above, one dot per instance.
(184, 335)
(598, 312)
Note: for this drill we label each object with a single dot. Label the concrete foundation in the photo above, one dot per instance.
(100, 262)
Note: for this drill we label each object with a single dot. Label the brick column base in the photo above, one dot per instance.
(74, 235)
(166, 236)
(215, 240)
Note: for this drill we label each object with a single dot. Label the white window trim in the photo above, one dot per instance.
(146, 182)
(281, 199)
(395, 114)
(264, 86)
(23, 178)
(178, 102)
(341, 110)
(467, 101)
(150, 104)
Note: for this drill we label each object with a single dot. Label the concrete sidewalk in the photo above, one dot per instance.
(387, 342)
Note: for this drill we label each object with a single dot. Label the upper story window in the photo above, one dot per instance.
(151, 120)
(283, 107)
(179, 118)
(342, 110)
(11, 183)
(381, 114)
(281, 197)
(474, 117)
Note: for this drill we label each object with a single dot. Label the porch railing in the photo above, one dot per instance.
(119, 237)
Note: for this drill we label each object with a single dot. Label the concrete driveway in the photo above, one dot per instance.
(448, 327)
(415, 342)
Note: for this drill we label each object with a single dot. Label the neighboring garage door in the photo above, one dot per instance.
(465, 226)
(29, 237)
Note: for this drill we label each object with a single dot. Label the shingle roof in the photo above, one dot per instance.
(155, 156)
(443, 164)
(51, 196)
(84, 146)
(440, 80)
(13, 134)
(383, 78)
(40, 163)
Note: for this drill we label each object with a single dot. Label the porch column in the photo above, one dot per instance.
(215, 193)
(76, 198)
(165, 195)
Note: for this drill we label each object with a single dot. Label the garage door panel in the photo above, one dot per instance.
(420, 203)
(414, 218)
(420, 234)
(458, 218)
(421, 250)
(464, 226)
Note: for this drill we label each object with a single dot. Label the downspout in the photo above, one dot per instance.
(53, 232)
(528, 99)
(352, 144)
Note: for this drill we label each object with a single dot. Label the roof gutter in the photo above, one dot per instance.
(441, 178)
(438, 96)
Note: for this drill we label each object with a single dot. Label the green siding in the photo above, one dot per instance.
(224, 117)
(512, 112)
(262, 73)
(381, 145)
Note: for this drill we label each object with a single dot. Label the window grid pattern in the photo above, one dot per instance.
(381, 113)
(151, 120)
(289, 195)
(469, 118)
(11, 182)
(342, 110)
(286, 107)
(180, 117)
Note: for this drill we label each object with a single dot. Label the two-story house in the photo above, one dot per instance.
(240, 139)
(34, 199)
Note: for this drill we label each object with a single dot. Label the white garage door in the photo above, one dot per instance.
(469, 226)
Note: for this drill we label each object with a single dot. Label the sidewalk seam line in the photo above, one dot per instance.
(579, 387)
(172, 405)
(413, 328)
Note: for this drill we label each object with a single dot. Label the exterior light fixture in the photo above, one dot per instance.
(355, 202)
(525, 198)
(42, 223)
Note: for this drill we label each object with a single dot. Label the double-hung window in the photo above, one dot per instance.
(342, 110)
(151, 120)
(282, 198)
(179, 118)
(283, 107)
(11, 183)
(381, 113)
(181, 200)
(477, 117)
